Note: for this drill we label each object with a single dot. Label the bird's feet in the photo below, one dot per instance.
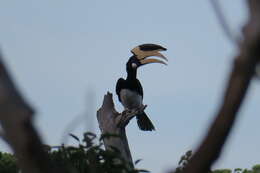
(128, 114)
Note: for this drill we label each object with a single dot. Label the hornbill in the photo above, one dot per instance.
(129, 90)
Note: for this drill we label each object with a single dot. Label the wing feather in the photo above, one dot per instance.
(119, 85)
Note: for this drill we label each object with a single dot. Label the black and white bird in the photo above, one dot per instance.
(129, 90)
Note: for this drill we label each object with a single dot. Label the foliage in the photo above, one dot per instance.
(7, 163)
(222, 171)
(187, 156)
(183, 161)
(90, 157)
(83, 158)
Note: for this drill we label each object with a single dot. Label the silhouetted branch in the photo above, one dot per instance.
(16, 121)
(239, 80)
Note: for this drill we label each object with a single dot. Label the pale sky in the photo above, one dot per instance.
(65, 55)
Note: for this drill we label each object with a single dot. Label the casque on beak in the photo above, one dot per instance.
(142, 52)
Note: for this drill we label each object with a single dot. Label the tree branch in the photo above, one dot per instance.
(16, 121)
(239, 80)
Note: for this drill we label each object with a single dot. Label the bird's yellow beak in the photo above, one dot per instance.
(142, 52)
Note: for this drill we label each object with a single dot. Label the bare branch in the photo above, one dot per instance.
(109, 123)
(239, 81)
(16, 120)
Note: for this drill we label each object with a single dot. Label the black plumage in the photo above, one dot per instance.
(129, 90)
(130, 94)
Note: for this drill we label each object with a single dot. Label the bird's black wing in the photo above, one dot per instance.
(139, 87)
(119, 85)
(133, 85)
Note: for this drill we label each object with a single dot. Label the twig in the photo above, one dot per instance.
(223, 23)
(71, 126)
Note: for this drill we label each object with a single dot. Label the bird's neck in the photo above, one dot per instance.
(131, 74)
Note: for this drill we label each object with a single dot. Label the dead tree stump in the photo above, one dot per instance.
(114, 123)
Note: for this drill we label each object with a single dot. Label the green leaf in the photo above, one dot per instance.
(137, 161)
(237, 170)
(74, 136)
(256, 168)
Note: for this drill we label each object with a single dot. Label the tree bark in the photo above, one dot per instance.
(18, 131)
(239, 81)
(114, 123)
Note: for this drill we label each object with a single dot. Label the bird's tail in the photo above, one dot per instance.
(144, 123)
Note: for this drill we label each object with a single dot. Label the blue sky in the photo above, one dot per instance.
(65, 55)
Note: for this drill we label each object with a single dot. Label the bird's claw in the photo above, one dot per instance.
(128, 114)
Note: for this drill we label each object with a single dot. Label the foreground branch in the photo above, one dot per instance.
(242, 73)
(18, 131)
(111, 122)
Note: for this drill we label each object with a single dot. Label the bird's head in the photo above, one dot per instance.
(141, 54)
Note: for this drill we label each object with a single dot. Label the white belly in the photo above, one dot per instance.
(130, 99)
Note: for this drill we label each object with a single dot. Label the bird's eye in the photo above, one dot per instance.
(134, 65)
